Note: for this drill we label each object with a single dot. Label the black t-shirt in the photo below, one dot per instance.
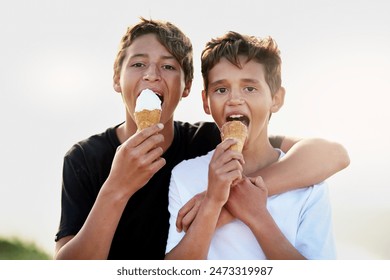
(143, 229)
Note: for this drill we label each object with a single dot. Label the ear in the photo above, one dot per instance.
(116, 84)
(205, 100)
(187, 89)
(278, 100)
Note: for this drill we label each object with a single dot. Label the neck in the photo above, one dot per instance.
(258, 156)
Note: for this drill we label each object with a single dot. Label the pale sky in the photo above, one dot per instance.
(56, 89)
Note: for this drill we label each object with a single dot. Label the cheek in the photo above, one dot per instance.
(217, 112)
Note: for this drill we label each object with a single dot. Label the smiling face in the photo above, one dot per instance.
(149, 65)
(243, 94)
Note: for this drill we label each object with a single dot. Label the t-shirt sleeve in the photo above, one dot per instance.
(175, 204)
(76, 194)
(315, 233)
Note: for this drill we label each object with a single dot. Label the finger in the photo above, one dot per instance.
(183, 212)
(140, 136)
(190, 217)
(223, 147)
(157, 165)
(143, 148)
(227, 143)
(152, 155)
(227, 161)
(258, 181)
(232, 170)
(232, 166)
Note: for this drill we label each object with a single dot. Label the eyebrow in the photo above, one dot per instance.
(145, 55)
(252, 81)
(222, 81)
(217, 82)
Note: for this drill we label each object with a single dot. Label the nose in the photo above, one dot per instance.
(151, 73)
(235, 98)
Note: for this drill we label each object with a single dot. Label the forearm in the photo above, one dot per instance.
(93, 241)
(272, 241)
(196, 242)
(307, 162)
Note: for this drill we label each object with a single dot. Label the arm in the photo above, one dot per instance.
(307, 162)
(225, 167)
(135, 162)
(247, 202)
(196, 242)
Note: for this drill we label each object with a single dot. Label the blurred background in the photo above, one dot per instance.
(56, 88)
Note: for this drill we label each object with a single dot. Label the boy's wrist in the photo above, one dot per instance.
(112, 191)
(211, 204)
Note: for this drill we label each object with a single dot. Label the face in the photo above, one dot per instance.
(241, 94)
(148, 64)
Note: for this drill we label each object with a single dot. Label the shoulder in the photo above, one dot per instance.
(98, 145)
(190, 177)
(196, 165)
(192, 172)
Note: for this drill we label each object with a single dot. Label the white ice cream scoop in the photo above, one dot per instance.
(147, 100)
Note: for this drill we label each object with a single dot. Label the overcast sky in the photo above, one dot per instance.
(56, 88)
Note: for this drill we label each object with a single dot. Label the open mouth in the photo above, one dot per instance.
(160, 97)
(241, 118)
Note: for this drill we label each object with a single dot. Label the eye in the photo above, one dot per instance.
(168, 67)
(221, 90)
(250, 89)
(137, 65)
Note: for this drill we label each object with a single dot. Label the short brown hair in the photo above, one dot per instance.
(232, 45)
(170, 36)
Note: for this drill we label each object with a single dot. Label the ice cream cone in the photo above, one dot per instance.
(236, 130)
(147, 118)
(147, 110)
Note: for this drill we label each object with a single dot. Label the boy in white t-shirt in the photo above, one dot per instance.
(242, 81)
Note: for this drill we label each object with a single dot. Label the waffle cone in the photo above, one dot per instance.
(147, 118)
(236, 130)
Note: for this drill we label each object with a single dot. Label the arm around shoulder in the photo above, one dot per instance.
(330, 152)
(307, 162)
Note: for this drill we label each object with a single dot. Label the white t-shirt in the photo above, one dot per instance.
(304, 216)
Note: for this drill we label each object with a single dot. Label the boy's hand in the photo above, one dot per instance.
(137, 160)
(225, 168)
(188, 213)
(248, 199)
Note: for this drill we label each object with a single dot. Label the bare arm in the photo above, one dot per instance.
(307, 162)
(135, 162)
(196, 242)
(94, 239)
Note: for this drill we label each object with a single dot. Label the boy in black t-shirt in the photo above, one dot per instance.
(115, 184)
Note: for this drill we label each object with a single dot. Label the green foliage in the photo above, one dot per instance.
(15, 249)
